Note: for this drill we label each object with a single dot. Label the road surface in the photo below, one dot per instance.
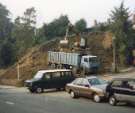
(19, 100)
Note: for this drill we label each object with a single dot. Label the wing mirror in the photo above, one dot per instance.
(87, 85)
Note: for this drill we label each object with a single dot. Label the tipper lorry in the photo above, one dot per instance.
(75, 61)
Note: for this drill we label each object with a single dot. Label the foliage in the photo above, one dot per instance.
(56, 28)
(7, 47)
(5, 24)
(122, 30)
(7, 54)
(81, 25)
(24, 30)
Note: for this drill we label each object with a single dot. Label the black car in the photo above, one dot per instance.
(47, 79)
(121, 90)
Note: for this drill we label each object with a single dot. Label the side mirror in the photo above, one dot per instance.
(87, 85)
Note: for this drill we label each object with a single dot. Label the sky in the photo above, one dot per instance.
(47, 10)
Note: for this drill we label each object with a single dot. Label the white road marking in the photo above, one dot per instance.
(9, 103)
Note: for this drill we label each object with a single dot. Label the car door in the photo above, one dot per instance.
(56, 80)
(66, 77)
(121, 90)
(131, 95)
(116, 90)
(46, 80)
(77, 86)
(85, 88)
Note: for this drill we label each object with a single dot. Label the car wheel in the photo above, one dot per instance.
(112, 101)
(96, 98)
(31, 91)
(72, 94)
(39, 90)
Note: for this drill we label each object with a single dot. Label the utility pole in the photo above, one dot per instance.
(114, 65)
(18, 71)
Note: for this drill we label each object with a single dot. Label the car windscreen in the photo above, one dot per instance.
(38, 75)
(96, 81)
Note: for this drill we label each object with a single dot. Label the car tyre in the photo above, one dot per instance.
(97, 98)
(32, 91)
(39, 90)
(112, 101)
(72, 94)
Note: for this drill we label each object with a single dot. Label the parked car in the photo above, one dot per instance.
(46, 79)
(92, 87)
(121, 90)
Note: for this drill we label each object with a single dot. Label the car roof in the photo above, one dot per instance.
(88, 77)
(91, 77)
(53, 70)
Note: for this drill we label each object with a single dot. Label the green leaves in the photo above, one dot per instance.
(81, 25)
(56, 28)
(7, 46)
(121, 27)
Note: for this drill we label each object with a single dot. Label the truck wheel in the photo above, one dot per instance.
(112, 101)
(74, 69)
(97, 98)
(84, 71)
(59, 66)
(52, 66)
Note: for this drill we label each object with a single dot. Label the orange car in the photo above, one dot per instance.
(92, 87)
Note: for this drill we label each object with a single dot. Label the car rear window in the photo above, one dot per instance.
(77, 81)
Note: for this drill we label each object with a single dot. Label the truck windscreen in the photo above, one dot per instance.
(93, 59)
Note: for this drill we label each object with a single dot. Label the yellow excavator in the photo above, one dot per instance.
(79, 41)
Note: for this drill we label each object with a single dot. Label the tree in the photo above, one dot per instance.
(29, 23)
(56, 28)
(7, 46)
(29, 18)
(24, 30)
(5, 23)
(121, 28)
(81, 25)
(7, 54)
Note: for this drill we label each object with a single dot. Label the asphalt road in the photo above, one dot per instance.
(19, 100)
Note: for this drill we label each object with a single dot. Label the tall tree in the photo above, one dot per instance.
(29, 18)
(24, 30)
(121, 28)
(5, 23)
(7, 46)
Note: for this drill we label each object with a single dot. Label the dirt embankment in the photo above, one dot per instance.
(99, 44)
(34, 60)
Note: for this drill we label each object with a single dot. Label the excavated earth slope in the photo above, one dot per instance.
(35, 59)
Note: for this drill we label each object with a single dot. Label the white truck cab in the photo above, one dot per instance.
(89, 62)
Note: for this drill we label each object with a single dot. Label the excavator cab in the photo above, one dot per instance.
(79, 41)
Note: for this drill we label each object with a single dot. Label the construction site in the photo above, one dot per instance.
(99, 44)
